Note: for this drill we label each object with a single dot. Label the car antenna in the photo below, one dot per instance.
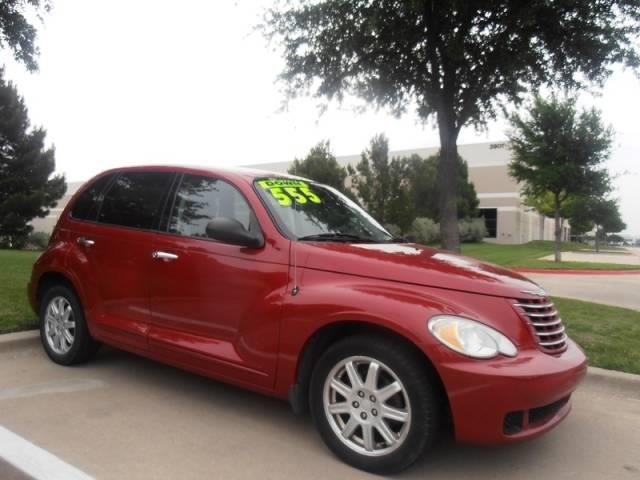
(295, 289)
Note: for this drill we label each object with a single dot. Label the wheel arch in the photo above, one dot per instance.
(50, 279)
(330, 333)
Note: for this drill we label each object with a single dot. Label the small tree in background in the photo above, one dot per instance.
(457, 61)
(26, 189)
(560, 152)
(17, 33)
(381, 185)
(606, 217)
(321, 165)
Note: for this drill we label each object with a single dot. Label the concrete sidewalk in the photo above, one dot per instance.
(617, 290)
(122, 416)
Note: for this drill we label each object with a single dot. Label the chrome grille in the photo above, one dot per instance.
(545, 322)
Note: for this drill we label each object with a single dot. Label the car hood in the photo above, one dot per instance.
(416, 264)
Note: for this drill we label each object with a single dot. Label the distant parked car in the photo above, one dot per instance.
(286, 287)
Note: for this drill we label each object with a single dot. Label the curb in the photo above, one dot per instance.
(613, 378)
(12, 341)
(559, 271)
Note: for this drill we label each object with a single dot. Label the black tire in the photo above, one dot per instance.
(83, 346)
(419, 388)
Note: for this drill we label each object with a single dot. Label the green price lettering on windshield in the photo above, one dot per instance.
(287, 191)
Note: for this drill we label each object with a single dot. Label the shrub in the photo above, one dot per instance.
(37, 241)
(472, 229)
(424, 230)
(393, 229)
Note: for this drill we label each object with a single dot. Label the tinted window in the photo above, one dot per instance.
(135, 199)
(201, 199)
(86, 206)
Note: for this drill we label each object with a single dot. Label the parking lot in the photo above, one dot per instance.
(126, 417)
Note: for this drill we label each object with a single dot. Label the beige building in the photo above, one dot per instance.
(507, 219)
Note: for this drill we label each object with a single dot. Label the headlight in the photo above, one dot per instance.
(470, 337)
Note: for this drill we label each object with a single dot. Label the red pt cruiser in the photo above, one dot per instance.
(286, 287)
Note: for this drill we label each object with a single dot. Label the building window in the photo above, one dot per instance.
(490, 216)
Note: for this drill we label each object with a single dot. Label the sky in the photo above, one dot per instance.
(126, 82)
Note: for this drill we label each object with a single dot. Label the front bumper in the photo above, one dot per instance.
(509, 399)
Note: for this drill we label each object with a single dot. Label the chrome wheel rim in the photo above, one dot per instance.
(367, 406)
(59, 325)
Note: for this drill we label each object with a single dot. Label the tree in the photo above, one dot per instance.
(606, 217)
(457, 60)
(381, 185)
(26, 189)
(321, 165)
(560, 152)
(16, 31)
(424, 188)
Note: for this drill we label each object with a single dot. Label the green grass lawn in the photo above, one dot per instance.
(610, 335)
(527, 256)
(15, 269)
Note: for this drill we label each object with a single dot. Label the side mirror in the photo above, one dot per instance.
(230, 230)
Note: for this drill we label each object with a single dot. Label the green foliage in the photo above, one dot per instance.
(472, 230)
(400, 189)
(26, 189)
(424, 230)
(15, 313)
(424, 189)
(321, 165)
(393, 229)
(380, 184)
(459, 60)
(17, 33)
(558, 154)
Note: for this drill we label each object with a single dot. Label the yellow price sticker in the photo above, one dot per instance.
(287, 191)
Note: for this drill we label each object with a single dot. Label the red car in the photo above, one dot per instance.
(284, 286)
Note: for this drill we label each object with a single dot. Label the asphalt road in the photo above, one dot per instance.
(620, 290)
(125, 417)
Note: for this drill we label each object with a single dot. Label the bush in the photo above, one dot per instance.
(472, 229)
(424, 230)
(37, 241)
(393, 229)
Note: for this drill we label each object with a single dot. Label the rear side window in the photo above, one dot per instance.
(135, 199)
(86, 206)
(201, 199)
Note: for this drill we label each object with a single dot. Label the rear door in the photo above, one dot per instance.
(118, 247)
(216, 306)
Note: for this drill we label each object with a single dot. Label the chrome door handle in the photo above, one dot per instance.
(166, 256)
(85, 242)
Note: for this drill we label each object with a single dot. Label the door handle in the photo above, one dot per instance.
(166, 256)
(85, 242)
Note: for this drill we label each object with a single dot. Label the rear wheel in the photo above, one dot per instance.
(63, 328)
(373, 403)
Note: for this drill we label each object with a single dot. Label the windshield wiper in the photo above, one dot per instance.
(336, 237)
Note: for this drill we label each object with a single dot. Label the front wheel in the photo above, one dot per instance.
(373, 403)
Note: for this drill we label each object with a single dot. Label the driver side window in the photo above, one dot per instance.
(201, 199)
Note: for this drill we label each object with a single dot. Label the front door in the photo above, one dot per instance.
(215, 306)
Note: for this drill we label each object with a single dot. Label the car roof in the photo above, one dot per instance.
(246, 174)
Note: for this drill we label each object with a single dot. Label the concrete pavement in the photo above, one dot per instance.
(618, 290)
(126, 417)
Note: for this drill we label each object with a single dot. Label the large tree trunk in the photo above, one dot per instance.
(597, 239)
(447, 175)
(558, 231)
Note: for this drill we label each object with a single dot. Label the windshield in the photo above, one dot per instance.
(309, 211)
